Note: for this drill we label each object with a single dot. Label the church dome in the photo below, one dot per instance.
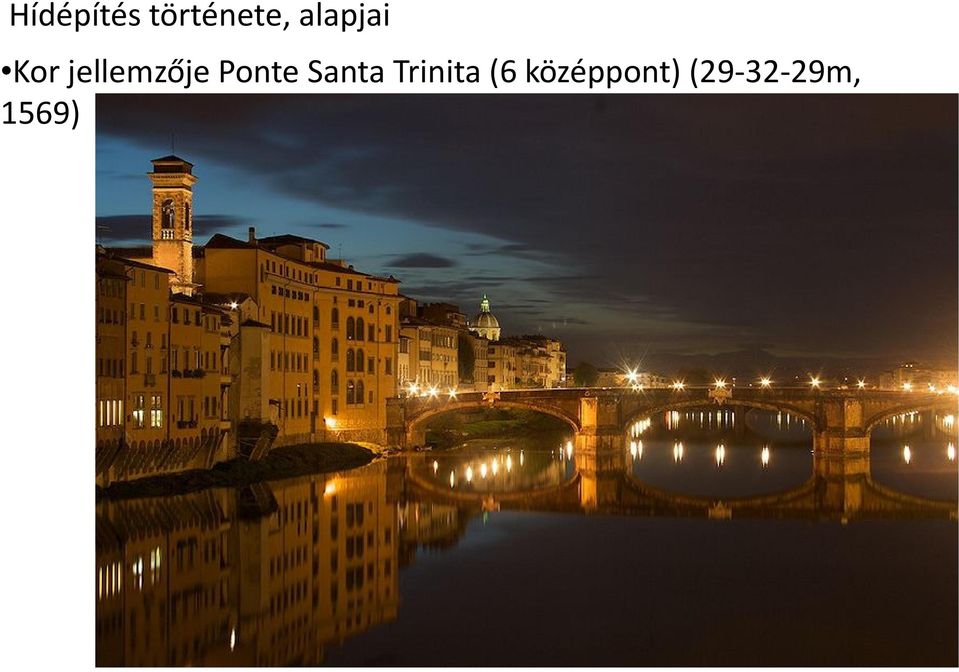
(486, 324)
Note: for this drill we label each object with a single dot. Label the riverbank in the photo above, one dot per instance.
(285, 462)
(458, 428)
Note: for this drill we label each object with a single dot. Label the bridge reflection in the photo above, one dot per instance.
(840, 487)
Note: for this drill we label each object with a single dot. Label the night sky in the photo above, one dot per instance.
(628, 226)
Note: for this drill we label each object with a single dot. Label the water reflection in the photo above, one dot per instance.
(285, 573)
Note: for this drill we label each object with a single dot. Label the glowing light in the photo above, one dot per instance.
(720, 455)
(932, 388)
(232, 639)
(815, 382)
(330, 423)
(633, 449)
(413, 389)
(522, 458)
(764, 456)
(632, 376)
(436, 467)
(678, 451)
(948, 421)
(678, 385)
(906, 454)
(569, 449)
(952, 389)
(483, 470)
(469, 474)
(861, 384)
(639, 449)
(452, 478)
(765, 382)
(495, 466)
(907, 387)
(951, 452)
(720, 384)
(434, 392)
(509, 463)
(330, 488)
(452, 393)
(233, 306)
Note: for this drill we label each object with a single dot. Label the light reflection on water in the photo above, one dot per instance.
(368, 567)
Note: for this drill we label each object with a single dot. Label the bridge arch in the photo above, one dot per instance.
(772, 406)
(417, 420)
(944, 404)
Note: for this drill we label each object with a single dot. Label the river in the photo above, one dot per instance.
(707, 539)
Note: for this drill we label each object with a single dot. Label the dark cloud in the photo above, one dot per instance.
(825, 223)
(328, 225)
(137, 228)
(421, 260)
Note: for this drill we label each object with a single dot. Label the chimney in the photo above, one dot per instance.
(252, 234)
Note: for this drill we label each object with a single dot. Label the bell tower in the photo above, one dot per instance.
(173, 181)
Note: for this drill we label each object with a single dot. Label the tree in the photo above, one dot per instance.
(585, 375)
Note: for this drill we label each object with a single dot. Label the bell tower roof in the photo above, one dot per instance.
(172, 164)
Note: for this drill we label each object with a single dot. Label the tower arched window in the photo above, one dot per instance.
(335, 349)
(359, 392)
(350, 328)
(335, 318)
(350, 392)
(167, 217)
(316, 315)
(360, 360)
(316, 346)
(350, 360)
(334, 382)
(186, 217)
(360, 327)
(316, 378)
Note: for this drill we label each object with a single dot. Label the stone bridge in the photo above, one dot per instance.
(841, 420)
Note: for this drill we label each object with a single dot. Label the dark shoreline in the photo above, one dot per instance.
(285, 462)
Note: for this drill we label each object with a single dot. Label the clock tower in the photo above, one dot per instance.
(173, 181)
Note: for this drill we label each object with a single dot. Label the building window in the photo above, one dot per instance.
(350, 360)
(335, 318)
(359, 328)
(350, 393)
(334, 382)
(389, 366)
(350, 329)
(156, 411)
(389, 332)
(370, 366)
(360, 360)
(138, 411)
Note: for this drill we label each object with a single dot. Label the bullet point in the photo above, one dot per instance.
(6, 69)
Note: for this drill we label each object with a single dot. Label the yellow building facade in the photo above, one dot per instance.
(160, 391)
(332, 334)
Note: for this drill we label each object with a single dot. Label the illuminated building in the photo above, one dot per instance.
(161, 391)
